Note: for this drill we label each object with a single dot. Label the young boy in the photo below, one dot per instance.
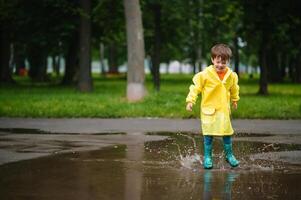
(218, 85)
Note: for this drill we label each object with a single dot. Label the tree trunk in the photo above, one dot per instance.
(181, 68)
(273, 66)
(193, 63)
(263, 81)
(168, 67)
(236, 55)
(298, 68)
(56, 64)
(101, 59)
(291, 69)
(72, 62)
(113, 68)
(38, 63)
(283, 66)
(157, 47)
(199, 59)
(19, 58)
(194, 67)
(135, 50)
(5, 75)
(85, 78)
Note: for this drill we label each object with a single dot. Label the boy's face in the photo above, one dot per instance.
(219, 63)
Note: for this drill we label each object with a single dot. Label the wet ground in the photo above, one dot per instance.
(40, 165)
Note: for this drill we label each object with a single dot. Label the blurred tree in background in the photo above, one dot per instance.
(135, 51)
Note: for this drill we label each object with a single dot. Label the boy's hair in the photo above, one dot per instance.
(221, 50)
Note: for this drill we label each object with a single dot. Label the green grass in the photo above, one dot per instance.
(108, 100)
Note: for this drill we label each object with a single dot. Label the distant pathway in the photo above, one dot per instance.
(130, 125)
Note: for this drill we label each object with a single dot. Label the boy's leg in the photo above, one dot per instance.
(230, 158)
(208, 152)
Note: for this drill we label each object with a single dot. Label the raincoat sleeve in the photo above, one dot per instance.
(234, 91)
(195, 88)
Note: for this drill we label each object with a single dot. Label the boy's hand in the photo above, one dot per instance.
(189, 106)
(234, 105)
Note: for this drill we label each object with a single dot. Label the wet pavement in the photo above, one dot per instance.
(37, 164)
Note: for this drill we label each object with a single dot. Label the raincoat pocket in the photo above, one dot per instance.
(208, 115)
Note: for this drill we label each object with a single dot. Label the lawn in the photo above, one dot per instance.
(108, 100)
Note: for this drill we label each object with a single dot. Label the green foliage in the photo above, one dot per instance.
(43, 23)
(108, 100)
(173, 28)
(108, 27)
(188, 29)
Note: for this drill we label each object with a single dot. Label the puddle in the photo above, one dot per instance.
(37, 131)
(153, 166)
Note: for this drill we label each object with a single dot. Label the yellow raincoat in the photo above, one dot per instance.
(216, 96)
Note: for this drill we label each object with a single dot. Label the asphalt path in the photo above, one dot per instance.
(144, 125)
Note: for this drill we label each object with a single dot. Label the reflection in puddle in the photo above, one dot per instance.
(225, 193)
(165, 169)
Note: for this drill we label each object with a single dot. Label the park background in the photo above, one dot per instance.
(113, 58)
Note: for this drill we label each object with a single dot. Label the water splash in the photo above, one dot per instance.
(196, 156)
(192, 139)
(188, 161)
(179, 151)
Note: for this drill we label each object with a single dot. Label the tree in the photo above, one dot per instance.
(72, 59)
(85, 77)
(257, 20)
(135, 48)
(6, 19)
(165, 31)
(156, 8)
(71, 42)
(37, 29)
(109, 32)
(5, 75)
(195, 28)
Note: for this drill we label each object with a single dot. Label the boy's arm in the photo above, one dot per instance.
(234, 90)
(194, 90)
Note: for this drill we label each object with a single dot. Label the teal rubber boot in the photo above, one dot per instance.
(208, 156)
(229, 155)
